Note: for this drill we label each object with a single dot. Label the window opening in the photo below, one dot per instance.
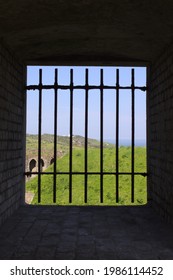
(63, 147)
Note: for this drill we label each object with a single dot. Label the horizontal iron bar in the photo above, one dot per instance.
(144, 174)
(84, 87)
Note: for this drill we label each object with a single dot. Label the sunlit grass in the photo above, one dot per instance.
(93, 186)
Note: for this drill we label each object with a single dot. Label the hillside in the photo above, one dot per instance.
(47, 144)
(93, 180)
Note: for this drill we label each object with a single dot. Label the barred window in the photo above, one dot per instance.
(86, 135)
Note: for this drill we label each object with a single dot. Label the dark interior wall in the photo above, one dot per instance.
(12, 127)
(160, 127)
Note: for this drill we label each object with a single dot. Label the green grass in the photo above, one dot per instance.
(94, 180)
(47, 142)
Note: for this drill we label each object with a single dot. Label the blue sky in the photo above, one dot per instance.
(94, 102)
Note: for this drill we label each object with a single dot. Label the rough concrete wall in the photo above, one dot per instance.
(160, 148)
(12, 126)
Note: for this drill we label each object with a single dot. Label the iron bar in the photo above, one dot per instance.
(55, 133)
(133, 135)
(71, 136)
(117, 135)
(40, 87)
(144, 174)
(90, 87)
(39, 135)
(101, 135)
(86, 134)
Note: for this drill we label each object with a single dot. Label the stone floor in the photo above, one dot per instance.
(86, 233)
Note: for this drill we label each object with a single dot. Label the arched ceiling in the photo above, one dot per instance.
(86, 31)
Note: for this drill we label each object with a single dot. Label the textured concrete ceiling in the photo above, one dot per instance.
(86, 31)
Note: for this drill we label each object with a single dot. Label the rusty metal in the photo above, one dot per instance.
(90, 87)
(86, 136)
(55, 133)
(144, 174)
(39, 135)
(71, 136)
(133, 136)
(117, 135)
(101, 135)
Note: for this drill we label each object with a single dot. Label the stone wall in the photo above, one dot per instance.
(12, 131)
(160, 134)
(45, 162)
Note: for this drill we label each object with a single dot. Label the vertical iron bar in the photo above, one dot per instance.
(55, 133)
(117, 135)
(133, 135)
(101, 135)
(71, 136)
(147, 106)
(39, 135)
(86, 134)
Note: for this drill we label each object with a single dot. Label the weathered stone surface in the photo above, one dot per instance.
(12, 78)
(160, 138)
(145, 236)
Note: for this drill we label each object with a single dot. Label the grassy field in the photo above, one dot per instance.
(93, 180)
(62, 144)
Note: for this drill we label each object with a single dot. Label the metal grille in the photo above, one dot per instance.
(86, 87)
